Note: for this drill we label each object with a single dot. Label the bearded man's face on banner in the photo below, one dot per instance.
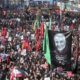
(60, 48)
(60, 41)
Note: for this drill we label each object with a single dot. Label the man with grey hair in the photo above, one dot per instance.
(60, 54)
(60, 41)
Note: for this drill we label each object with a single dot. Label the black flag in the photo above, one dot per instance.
(60, 47)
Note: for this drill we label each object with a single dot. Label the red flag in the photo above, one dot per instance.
(37, 33)
(38, 45)
(42, 30)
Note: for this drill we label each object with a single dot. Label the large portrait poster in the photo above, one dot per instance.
(60, 47)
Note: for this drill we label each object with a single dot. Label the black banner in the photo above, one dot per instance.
(60, 47)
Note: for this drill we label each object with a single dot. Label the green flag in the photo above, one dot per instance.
(44, 41)
(46, 47)
(50, 23)
(37, 23)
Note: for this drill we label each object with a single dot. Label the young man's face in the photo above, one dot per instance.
(60, 41)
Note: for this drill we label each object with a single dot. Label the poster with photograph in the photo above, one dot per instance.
(60, 47)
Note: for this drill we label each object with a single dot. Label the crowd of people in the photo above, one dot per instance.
(19, 56)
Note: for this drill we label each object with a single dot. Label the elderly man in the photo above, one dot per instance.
(60, 54)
